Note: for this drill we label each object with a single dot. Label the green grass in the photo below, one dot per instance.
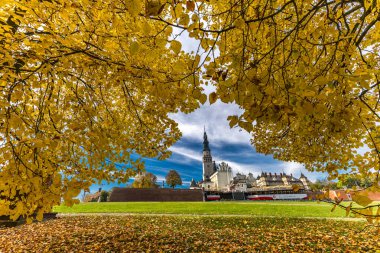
(269, 208)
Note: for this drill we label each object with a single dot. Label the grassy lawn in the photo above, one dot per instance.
(185, 233)
(268, 208)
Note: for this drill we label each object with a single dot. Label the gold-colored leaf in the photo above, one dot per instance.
(176, 46)
(296, 187)
(233, 120)
(190, 5)
(348, 209)
(212, 97)
(203, 98)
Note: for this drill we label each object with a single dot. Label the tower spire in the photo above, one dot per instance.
(205, 141)
(208, 168)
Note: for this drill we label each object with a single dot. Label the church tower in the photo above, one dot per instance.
(208, 168)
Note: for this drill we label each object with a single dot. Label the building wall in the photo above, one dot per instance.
(224, 178)
(262, 182)
(209, 186)
(134, 194)
(241, 187)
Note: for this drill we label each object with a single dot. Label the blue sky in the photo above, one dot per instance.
(228, 145)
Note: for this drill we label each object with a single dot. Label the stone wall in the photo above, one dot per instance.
(134, 194)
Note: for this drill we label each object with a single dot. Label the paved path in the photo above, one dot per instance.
(205, 215)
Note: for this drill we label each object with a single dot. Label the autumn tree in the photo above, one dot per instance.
(104, 196)
(145, 180)
(81, 89)
(173, 178)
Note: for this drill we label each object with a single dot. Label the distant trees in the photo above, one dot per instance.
(104, 196)
(348, 181)
(353, 181)
(321, 184)
(173, 178)
(145, 180)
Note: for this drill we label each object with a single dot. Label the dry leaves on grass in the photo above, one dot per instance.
(188, 234)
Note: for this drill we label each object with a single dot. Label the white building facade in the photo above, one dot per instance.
(220, 177)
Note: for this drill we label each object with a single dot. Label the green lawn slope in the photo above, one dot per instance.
(269, 208)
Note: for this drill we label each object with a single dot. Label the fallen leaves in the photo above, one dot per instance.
(187, 234)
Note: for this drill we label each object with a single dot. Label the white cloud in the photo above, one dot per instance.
(186, 153)
(292, 167)
(214, 118)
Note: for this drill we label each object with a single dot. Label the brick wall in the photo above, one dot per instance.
(132, 194)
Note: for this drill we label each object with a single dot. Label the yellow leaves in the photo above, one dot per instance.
(97, 234)
(365, 197)
(348, 209)
(203, 98)
(178, 10)
(134, 7)
(104, 77)
(69, 194)
(366, 213)
(57, 179)
(38, 143)
(362, 200)
(247, 126)
(309, 93)
(233, 120)
(367, 4)
(212, 97)
(175, 46)
(17, 95)
(40, 215)
(190, 5)
(296, 187)
(308, 107)
(134, 47)
(147, 28)
(239, 23)
(184, 19)
(197, 94)
(70, 202)
(154, 7)
(196, 61)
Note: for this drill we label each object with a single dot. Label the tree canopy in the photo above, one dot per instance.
(145, 180)
(173, 178)
(83, 86)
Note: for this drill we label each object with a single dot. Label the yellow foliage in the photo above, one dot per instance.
(82, 87)
(366, 196)
(296, 187)
(348, 209)
(212, 97)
